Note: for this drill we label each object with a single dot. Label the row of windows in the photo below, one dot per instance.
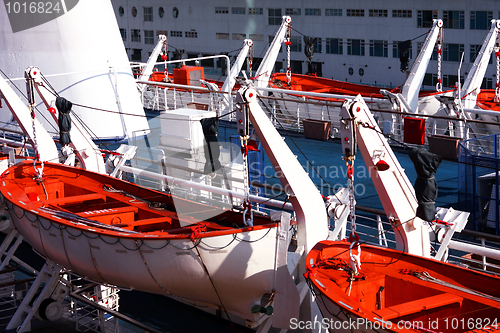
(455, 19)
(452, 19)
(149, 37)
(316, 12)
(148, 12)
(355, 47)
(235, 36)
(431, 79)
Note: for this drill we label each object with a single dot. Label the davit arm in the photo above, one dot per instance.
(267, 65)
(360, 130)
(44, 144)
(81, 143)
(307, 202)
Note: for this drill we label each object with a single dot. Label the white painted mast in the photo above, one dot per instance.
(230, 81)
(472, 84)
(148, 69)
(267, 64)
(412, 84)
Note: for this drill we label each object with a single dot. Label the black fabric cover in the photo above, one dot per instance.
(404, 54)
(426, 189)
(309, 47)
(210, 128)
(64, 120)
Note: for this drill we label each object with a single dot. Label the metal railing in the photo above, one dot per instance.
(287, 110)
(473, 249)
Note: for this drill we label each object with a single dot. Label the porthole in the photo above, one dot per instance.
(134, 11)
(351, 71)
(175, 12)
(161, 12)
(121, 11)
(361, 72)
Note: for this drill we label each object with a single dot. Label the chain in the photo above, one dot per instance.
(30, 90)
(352, 201)
(439, 84)
(246, 187)
(354, 259)
(288, 45)
(250, 60)
(497, 86)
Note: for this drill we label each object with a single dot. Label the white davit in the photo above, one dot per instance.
(81, 53)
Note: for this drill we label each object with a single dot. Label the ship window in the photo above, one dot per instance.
(356, 47)
(350, 71)
(355, 12)
(333, 12)
(334, 46)
(480, 20)
(274, 16)
(239, 36)
(361, 72)
(135, 35)
(452, 52)
(257, 37)
(293, 11)
(451, 80)
(296, 44)
(238, 10)
(161, 12)
(134, 11)
(123, 32)
(377, 13)
(175, 33)
(255, 11)
(191, 34)
(430, 79)
(136, 55)
(296, 66)
(425, 17)
(175, 12)
(148, 14)
(121, 11)
(378, 48)
(221, 35)
(487, 83)
(402, 13)
(313, 12)
(318, 46)
(453, 19)
(149, 37)
(221, 10)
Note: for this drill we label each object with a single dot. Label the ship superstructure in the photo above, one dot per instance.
(355, 42)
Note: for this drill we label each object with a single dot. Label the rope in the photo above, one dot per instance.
(425, 276)
(301, 152)
(151, 273)
(215, 289)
